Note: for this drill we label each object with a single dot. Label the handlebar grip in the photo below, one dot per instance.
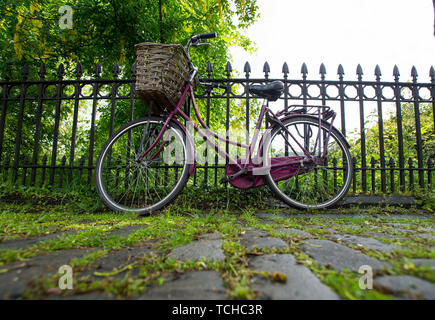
(208, 35)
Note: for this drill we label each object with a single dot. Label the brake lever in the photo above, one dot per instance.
(199, 43)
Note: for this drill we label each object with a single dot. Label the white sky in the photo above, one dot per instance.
(369, 32)
(347, 32)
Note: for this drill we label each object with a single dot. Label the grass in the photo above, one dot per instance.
(32, 212)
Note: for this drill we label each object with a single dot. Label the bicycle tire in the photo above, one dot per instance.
(347, 161)
(99, 181)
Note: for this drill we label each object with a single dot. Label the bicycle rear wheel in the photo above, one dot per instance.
(126, 184)
(313, 185)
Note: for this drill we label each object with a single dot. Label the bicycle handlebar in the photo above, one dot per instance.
(195, 40)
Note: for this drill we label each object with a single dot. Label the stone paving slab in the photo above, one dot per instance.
(381, 235)
(369, 243)
(258, 239)
(407, 287)
(192, 285)
(340, 215)
(424, 262)
(197, 250)
(116, 260)
(323, 228)
(301, 283)
(20, 274)
(27, 242)
(23, 243)
(338, 256)
(294, 231)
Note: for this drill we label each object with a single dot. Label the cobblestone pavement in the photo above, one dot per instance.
(264, 256)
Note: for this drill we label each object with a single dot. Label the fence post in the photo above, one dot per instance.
(391, 164)
(417, 126)
(411, 174)
(340, 73)
(23, 88)
(3, 114)
(432, 80)
(228, 70)
(397, 98)
(95, 89)
(359, 73)
(59, 93)
(42, 72)
(372, 168)
(380, 127)
(44, 166)
(77, 92)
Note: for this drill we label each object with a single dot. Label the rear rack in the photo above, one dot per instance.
(324, 111)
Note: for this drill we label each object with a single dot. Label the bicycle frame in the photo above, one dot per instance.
(250, 165)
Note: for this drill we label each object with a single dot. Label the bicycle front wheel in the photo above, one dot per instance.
(313, 185)
(143, 186)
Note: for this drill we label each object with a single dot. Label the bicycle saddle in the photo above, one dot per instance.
(271, 91)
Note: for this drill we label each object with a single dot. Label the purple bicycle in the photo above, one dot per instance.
(301, 156)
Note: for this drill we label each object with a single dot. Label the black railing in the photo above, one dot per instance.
(50, 134)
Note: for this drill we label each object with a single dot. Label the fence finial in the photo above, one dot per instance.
(42, 71)
(228, 69)
(322, 71)
(285, 69)
(304, 70)
(396, 73)
(414, 73)
(79, 70)
(209, 69)
(60, 71)
(266, 70)
(378, 72)
(432, 73)
(340, 71)
(247, 69)
(115, 70)
(97, 70)
(359, 71)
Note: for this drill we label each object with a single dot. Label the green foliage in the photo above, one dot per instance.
(391, 140)
(106, 31)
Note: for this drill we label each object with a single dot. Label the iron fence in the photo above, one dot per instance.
(43, 139)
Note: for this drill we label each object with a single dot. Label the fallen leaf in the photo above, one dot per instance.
(279, 277)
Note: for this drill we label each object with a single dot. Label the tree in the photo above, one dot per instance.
(105, 31)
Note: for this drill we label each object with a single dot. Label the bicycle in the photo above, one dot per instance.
(301, 156)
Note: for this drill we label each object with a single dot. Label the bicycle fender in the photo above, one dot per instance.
(313, 117)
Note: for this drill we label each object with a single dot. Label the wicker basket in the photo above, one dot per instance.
(162, 71)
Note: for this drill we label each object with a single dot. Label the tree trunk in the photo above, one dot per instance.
(161, 21)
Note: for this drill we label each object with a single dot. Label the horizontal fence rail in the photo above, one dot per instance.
(51, 130)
